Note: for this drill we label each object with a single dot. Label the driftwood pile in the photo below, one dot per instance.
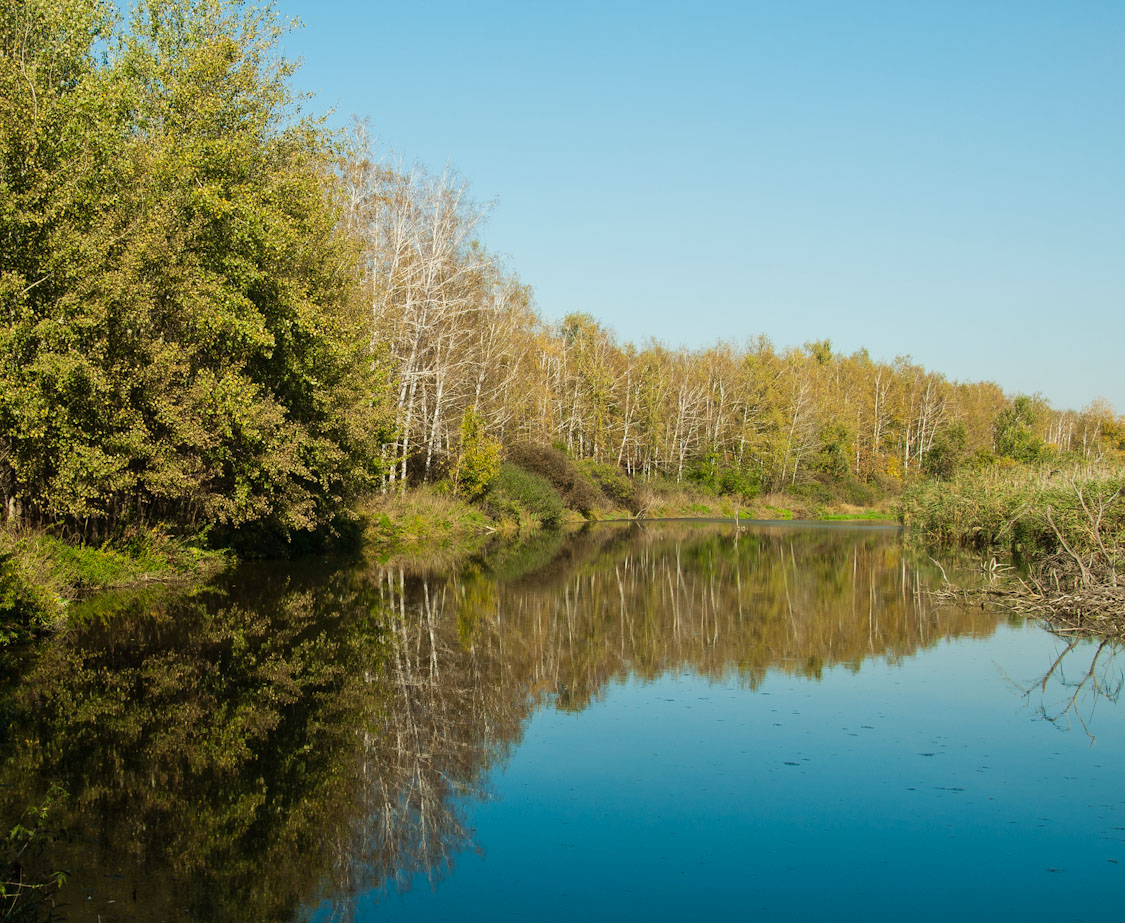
(1079, 589)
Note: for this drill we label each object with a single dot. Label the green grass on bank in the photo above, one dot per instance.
(420, 518)
(41, 574)
(872, 515)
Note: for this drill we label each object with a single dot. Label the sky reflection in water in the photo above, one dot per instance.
(929, 785)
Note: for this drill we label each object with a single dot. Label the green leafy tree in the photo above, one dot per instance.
(478, 463)
(833, 457)
(1014, 432)
(946, 453)
(182, 339)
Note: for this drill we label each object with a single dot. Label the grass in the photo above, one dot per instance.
(1026, 510)
(874, 515)
(41, 575)
(421, 519)
(1064, 526)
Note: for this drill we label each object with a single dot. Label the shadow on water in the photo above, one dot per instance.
(292, 736)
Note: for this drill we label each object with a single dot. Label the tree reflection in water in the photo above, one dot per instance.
(293, 737)
(1078, 677)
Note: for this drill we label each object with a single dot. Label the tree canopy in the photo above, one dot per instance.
(182, 340)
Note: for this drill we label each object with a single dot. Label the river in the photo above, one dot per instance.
(650, 722)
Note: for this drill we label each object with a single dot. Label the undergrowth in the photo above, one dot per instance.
(1064, 527)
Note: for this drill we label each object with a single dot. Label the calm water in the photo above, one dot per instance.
(665, 721)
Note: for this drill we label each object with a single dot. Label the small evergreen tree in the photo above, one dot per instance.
(478, 463)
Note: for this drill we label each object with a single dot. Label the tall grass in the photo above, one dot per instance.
(1030, 511)
(420, 516)
(1066, 526)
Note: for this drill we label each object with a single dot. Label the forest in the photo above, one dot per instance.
(225, 322)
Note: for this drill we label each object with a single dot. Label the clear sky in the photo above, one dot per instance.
(944, 180)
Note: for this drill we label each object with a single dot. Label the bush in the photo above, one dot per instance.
(740, 482)
(479, 462)
(946, 454)
(576, 489)
(823, 487)
(811, 490)
(517, 492)
(714, 477)
(614, 483)
(857, 493)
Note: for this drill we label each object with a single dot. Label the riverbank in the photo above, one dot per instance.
(1055, 538)
(42, 575)
(429, 522)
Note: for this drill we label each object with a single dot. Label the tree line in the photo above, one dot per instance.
(218, 314)
(461, 343)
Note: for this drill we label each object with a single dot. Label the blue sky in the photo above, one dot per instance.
(944, 180)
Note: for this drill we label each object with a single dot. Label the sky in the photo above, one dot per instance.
(944, 180)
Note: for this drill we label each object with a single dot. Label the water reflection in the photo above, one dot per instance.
(295, 736)
(203, 746)
(1080, 676)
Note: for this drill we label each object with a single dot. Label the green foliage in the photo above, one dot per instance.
(517, 493)
(947, 452)
(573, 485)
(815, 489)
(614, 483)
(479, 462)
(740, 482)
(1014, 435)
(833, 456)
(719, 478)
(181, 339)
(704, 471)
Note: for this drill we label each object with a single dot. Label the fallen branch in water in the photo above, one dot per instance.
(1066, 598)
(1078, 588)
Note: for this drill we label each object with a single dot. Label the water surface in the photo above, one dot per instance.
(662, 721)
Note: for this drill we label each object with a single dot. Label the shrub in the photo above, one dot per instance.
(612, 482)
(516, 492)
(947, 453)
(576, 489)
(857, 493)
(713, 476)
(741, 482)
(479, 462)
(811, 490)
